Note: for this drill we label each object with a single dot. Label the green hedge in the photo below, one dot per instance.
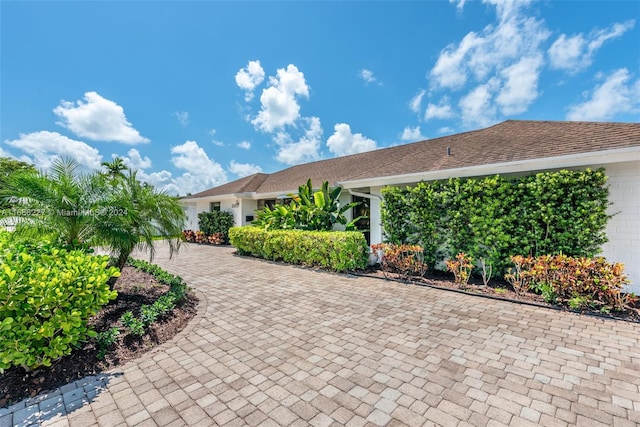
(215, 222)
(47, 296)
(493, 218)
(334, 250)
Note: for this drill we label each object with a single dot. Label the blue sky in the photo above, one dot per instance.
(195, 94)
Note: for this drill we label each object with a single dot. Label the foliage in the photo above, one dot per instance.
(338, 251)
(493, 218)
(579, 282)
(404, 260)
(149, 313)
(77, 209)
(308, 210)
(106, 339)
(213, 223)
(133, 324)
(461, 267)
(137, 214)
(8, 168)
(47, 295)
(520, 277)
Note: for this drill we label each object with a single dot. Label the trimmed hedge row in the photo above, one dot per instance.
(335, 250)
(47, 296)
(494, 217)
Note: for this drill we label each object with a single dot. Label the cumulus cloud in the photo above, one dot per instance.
(243, 169)
(249, 77)
(280, 100)
(410, 134)
(442, 110)
(305, 149)
(476, 107)
(200, 171)
(520, 86)
(416, 102)
(98, 119)
(43, 148)
(501, 63)
(618, 94)
(367, 76)
(134, 160)
(244, 144)
(575, 53)
(343, 142)
(183, 117)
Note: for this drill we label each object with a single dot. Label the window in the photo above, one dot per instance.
(214, 206)
(268, 202)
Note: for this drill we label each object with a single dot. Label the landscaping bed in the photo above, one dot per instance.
(496, 289)
(135, 289)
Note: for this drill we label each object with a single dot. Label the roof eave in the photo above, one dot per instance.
(573, 160)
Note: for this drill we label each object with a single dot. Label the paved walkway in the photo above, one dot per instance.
(277, 345)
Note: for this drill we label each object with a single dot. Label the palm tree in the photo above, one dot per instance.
(115, 168)
(115, 211)
(135, 215)
(57, 204)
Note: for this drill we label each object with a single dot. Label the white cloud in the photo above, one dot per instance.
(477, 108)
(249, 77)
(445, 129)
(412, 134)
(520, 87)
(442, 110)
(244, 144)
(134, 160)
(43, 148)
(183, 117)
(367, 76)
(449, 70)
(416, 102)
(501, 63)
(98, 119)
(201, 172)
(343, 142)
(575, 53)
(243, 169)
(459, 3)
(618, 94)
(217, 143)
(279, 101)
(306, 149)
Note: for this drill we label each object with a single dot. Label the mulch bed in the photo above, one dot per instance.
(135, 288)
(496, 289)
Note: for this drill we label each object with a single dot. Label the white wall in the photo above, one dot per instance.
(374, 213)
(623, 230)
(248, 207)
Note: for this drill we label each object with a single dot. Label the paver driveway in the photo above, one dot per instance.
(280, 345)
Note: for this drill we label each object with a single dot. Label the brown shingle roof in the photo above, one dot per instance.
(248, 184)
(509, 141)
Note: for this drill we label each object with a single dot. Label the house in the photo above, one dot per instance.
(508, 148)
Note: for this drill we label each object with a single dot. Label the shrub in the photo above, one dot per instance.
(215, 222)
(494, 217)
(461, 267)
(338, 250)
(403, 260)
(579, 282)
(48, 295)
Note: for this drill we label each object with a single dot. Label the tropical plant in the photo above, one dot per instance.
(308, 210)
(8, 168)
(134, 214)
(59, 203)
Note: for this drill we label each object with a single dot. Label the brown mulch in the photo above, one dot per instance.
(135, 288)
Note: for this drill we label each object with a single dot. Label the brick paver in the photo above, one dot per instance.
(282, 345)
